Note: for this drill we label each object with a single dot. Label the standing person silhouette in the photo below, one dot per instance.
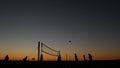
(84, 58)
(59, 57)
(90, 57)
(76, 58)
(6, 58)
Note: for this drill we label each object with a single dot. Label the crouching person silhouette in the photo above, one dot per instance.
(24, 59)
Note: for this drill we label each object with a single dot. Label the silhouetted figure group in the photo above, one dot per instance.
(59, 58)
(89, 56)
(7, 58)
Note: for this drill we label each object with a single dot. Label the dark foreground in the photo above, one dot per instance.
(62, 64)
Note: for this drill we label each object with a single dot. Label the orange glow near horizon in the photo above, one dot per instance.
(54, 58)
(18, 54)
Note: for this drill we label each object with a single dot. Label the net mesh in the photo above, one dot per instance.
(48, 50)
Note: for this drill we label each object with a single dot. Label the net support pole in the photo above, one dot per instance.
(38, 51)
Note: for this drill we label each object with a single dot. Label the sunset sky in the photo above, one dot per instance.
(93, 26)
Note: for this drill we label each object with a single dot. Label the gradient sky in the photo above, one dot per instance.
(93, 26)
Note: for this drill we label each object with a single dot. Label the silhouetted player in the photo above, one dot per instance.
(41, 58)
(90, 57)
(76, 59)
(84, 58)
(59, 58)
(6, 58)
(25, 59)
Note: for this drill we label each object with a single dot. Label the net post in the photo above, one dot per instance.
(38, 51)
